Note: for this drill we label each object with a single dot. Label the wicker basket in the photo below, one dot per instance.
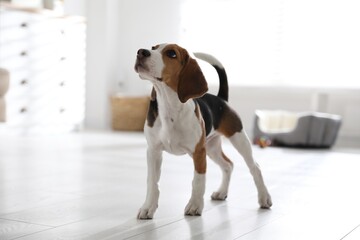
(129, 113)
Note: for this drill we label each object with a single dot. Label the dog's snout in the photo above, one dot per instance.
(143, 53)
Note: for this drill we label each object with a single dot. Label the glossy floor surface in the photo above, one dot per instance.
(91, 185)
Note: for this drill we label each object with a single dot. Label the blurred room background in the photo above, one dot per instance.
(66, 59)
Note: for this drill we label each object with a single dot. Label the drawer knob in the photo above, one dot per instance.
(23, 53)
(24, 82)
(23, 110)
(24, 25)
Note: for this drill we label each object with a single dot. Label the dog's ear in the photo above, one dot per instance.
(192, 82)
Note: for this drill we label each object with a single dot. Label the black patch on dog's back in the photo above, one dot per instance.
(206, 114)
(212, 109)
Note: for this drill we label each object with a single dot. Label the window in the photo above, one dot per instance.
(312, 43)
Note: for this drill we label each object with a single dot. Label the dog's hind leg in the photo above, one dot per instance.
(242, 143)
(214, 151)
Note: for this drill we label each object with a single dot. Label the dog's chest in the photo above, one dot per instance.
(179, 135)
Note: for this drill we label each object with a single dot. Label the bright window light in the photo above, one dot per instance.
(309, 43)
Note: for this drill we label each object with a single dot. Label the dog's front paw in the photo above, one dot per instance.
(219, 196)
(265, 200)
(146, 212)
(194, 207)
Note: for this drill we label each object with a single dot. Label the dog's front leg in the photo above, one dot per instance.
(196, 202)
(154, 160)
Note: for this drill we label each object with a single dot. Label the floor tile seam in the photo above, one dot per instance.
(157, 228)
(352, 230)
(27, 222)
(3, 215)
(261, 226)
(37, 232)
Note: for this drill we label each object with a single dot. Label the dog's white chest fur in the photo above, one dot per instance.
(178, 140)
(179, 129)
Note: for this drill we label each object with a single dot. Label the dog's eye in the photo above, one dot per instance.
(171, 53)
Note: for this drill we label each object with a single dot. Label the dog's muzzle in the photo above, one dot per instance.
(141, 65)
(141, 56)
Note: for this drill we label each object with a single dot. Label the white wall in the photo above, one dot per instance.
(96, 115)
(116, 30)
(75, 7)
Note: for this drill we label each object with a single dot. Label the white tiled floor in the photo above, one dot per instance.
(90, 186)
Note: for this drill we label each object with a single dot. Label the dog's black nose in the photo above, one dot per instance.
(143, 53)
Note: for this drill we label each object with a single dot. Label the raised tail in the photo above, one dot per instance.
(224, 88)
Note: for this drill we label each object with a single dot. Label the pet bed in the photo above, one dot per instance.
(296, 129)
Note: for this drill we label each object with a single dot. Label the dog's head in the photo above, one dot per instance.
(172, 65)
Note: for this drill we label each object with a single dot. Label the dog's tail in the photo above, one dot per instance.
(224, 88)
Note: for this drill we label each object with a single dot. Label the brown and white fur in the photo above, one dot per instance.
(184, 119)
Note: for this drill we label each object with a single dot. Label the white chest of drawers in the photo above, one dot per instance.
(45, 55)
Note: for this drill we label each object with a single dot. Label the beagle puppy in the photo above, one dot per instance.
(184, 119)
